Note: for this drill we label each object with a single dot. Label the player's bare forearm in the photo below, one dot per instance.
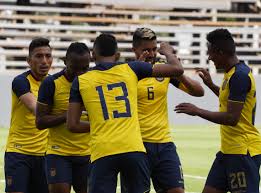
(214, 88)
(231, 117)
(193, 86)
(74, 124)
(223, 118)
(80, 127)
(44, 118)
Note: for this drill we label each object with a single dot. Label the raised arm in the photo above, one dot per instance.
(173, 68)
(204, 74)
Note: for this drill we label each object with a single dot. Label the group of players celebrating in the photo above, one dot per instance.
(82, 126)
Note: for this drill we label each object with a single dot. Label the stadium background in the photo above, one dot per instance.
(182, 23)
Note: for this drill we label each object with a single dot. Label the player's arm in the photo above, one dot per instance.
(74, 123)
(231, 117)
(21, 88)
(236, 99)
(188, 85)
(204, 74)
(44, 117)
(173, 68)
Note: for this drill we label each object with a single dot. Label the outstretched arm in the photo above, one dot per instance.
(231, 117)
(204, 74)
(190, 86)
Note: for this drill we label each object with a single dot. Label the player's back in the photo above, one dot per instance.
(109, 93)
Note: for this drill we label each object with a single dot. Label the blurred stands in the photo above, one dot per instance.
(182, 23)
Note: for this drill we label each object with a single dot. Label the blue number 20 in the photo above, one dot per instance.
(124, 97)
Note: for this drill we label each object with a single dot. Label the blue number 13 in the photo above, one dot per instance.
(124, 97)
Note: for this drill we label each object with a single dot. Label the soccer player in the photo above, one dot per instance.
(236, 167)
(26, 145)
(165, 166)
(109, 94)
(68, 155)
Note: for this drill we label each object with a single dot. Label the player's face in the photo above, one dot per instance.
(77, 64)
(40, 61)
(215, 56)
(149, 46)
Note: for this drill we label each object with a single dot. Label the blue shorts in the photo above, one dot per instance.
(235, 173)
(25, 173)
(73, 170)
(133, 165)
(165, 167)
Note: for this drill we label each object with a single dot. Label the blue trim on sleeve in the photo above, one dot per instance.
(46, 91)
(239, 83)
(141, 69)
(75, 95)
(174, 82)
(21, 85)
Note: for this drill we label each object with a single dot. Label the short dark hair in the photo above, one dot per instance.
(77, 48)
(142, 34)
(105, 45)
(38, 42)
(221, 39)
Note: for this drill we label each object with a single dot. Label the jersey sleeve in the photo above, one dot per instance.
(141, 69)
(239, 86)
(20, 86)
(175, 82)
(75, 95)
(46, 91)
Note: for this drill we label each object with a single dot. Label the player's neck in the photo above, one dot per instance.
(232, 61)
(109, 59)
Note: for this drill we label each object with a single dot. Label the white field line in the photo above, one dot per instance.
(195, 177)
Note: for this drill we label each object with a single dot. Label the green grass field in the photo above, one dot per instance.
(197, 146)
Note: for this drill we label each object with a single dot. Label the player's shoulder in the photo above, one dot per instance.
(51, 78)
(242, 69)
(22, 77)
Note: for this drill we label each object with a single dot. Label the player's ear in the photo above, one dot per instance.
(117, 56)
(93, 55)
(28, 60)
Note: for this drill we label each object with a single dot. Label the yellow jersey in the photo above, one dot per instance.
(153, 108)
(23, 136)
(55, 92)
(109, 94)
(239, 86)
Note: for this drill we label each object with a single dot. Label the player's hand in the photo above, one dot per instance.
(204, 74)
(166, 48)
(143, 56)
(187, 108)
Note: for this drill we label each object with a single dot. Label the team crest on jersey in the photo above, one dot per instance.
(160, 79)
(224, 84)
(9, 180)
(53, 172)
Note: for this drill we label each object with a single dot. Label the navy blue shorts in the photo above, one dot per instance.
(235, 173)
(73, 170)
(25, 173)
(165, 167)
(133, 165)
